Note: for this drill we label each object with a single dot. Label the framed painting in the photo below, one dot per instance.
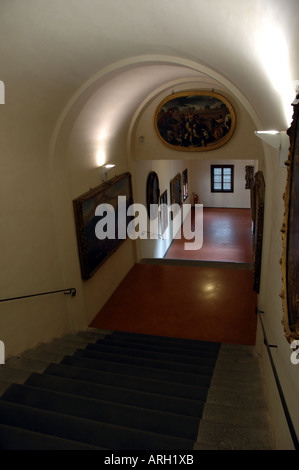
(258, 200)
(185, 184)
(152, 195)
(93, 251)
(249, 175)
(290, 236)
(195, 121)
(163, 212)
(176, 193)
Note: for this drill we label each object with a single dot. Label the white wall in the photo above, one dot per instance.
(49, 156)
(166, 170)
(83, 144)
(200, 180)
(29, 247)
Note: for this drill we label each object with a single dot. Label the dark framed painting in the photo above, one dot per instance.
(249, 176)
(93, 251)
(258, 201)
(290, 236)
(152, 195)
(185, 184)
(195, 121)
(176, 193)
(163, 212)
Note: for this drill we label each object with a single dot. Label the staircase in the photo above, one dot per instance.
(102, 390)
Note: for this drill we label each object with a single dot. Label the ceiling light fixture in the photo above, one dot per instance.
(277, 139)
(105, 169)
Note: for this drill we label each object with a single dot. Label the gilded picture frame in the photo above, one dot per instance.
(258, 200)
(290, 236)
(195, 121)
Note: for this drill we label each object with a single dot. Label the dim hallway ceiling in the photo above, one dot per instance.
(50, 50)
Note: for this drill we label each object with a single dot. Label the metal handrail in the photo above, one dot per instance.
(280, 391)
(70, 291)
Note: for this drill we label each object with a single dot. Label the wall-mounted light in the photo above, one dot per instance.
(277, 139)
(105, 169)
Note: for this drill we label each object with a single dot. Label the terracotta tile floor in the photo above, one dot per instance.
(189, 301)
(226, 237)
(213, 304)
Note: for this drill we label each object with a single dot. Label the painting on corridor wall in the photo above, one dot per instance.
(195, 121)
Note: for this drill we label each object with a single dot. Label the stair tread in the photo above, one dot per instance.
(42, 355)
(10, 374)
(104, 435)
(14, 438)
(98, 410)
(166, 340)
(205, 366)
(60, 347)
(204, 357)
(169, 375)
(158, 346)
(101, 390)
(256, 419)
(190, 407)
(127, 381)
(231, 437)
(24, 364)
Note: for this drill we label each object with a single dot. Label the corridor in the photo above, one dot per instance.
(204, 300)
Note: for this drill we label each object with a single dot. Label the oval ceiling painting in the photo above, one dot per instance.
(195, 121)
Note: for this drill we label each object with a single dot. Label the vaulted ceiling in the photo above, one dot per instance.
(51, 49)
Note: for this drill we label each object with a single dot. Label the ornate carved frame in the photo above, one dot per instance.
(258, 202)
(195, 121)
(290, 237)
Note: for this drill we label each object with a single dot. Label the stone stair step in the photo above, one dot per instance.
(104, 383)
(118, 394)
(256, 419)
(24, 364)
(138, 371)
(104, 435)
(145, 419)
(11, 375)
(234, 399)
(144, 384)
(224, 436)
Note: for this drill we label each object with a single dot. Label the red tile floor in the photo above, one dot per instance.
(191, 301)
(226, 237)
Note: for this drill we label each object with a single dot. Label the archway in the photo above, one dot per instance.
(98, 125)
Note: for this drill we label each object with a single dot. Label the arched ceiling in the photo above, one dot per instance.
(50, 50)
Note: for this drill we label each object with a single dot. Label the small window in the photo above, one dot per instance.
(222, 178)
